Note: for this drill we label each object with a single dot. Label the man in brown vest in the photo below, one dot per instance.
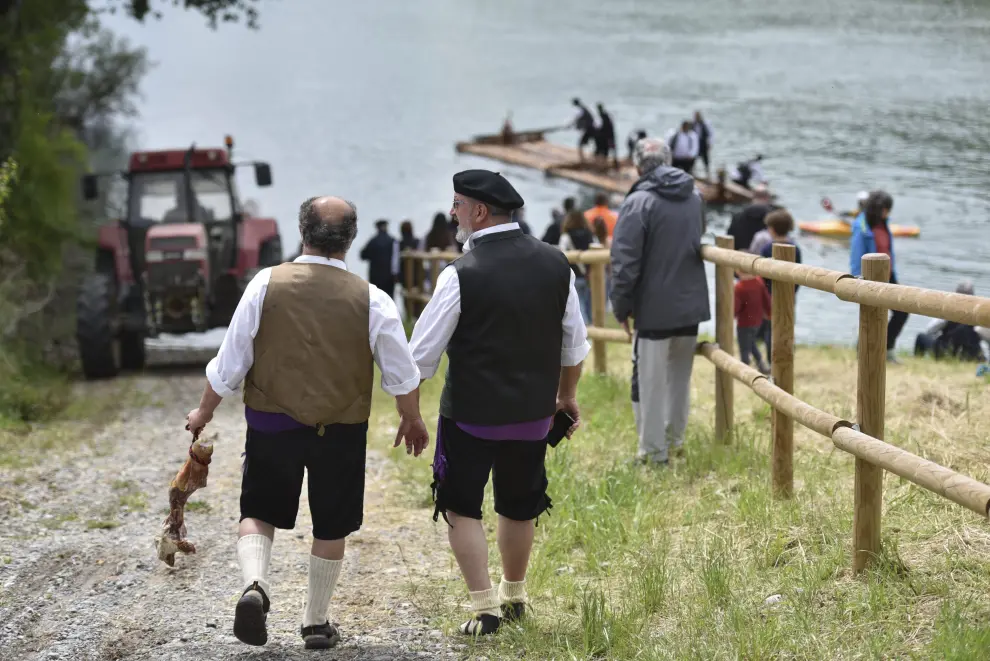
(304, 341)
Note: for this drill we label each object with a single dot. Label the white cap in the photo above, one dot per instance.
(862, 196)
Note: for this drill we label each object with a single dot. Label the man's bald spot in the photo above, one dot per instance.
(332, 210)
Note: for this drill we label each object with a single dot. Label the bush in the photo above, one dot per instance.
(30, 391)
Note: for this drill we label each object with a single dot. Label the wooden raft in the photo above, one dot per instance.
(530, 149)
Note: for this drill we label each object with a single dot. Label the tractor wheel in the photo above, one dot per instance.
(132, 351)
(96, 307)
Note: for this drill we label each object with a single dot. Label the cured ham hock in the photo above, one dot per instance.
(191, 476)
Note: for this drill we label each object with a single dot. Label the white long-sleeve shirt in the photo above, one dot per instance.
(686, 145)
(438, 321)
(386, 336)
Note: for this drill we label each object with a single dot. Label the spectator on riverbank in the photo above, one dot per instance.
(780, 224)
(871, 233)
(601, 210)
(600, 231)
(552, 235)
(407, 240)
(747, 223)
(382, 254)
(949, 338)
(576, 235)
(439, 238)
(658, 280)
(752, 309)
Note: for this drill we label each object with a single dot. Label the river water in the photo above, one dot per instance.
(366, 100)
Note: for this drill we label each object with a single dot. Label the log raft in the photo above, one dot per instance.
(531, 149)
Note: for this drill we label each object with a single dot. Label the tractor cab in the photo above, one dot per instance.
(182, 251)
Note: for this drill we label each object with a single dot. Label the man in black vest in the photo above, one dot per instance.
(507, 314)
(382, 255)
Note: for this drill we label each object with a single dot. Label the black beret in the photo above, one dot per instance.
(488, 187)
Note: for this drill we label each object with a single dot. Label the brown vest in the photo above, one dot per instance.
(312, 357)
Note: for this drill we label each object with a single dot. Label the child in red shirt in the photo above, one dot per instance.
(752, 307)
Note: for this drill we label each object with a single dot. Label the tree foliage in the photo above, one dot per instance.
(215, 11)
(67, 87)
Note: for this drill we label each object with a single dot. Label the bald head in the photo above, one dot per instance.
(328, 225)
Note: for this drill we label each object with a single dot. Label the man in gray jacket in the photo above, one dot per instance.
(658, 279)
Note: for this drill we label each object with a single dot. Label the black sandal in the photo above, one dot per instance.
(513, 612)
(320, 636)
(481, 625)
(250, 616)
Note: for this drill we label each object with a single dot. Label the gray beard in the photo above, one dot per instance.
(463, 234)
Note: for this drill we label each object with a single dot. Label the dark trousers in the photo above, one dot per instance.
(766, 333)
(704, 157)
(686, 164)
(896, 324)
(747, 336)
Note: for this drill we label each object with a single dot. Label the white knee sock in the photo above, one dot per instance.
(323, 576)
(254, 552)
(485, 602)
(512, 592)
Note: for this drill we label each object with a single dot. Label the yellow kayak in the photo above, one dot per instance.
(840, 228)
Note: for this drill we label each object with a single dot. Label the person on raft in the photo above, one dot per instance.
(584, 122)
(508, 317)
(304, 340)
(749, 173)
(634, 136)
(605, 139)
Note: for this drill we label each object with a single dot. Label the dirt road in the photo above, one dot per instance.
(80, 579)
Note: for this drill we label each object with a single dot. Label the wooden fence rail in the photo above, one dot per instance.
(863, 439)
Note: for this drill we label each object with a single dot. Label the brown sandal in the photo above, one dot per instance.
(320, 636)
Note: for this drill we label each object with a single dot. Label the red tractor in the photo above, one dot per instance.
(179, 259)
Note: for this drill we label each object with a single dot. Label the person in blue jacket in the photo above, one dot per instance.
(871, 233)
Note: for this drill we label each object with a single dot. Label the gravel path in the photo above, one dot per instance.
(80, 579)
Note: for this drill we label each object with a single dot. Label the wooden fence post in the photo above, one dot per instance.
(725, 338)
(434, 270)
(782, 359)
(408, 285)
(597, 276)
(870, 395)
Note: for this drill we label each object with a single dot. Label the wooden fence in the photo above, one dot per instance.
(863, 439)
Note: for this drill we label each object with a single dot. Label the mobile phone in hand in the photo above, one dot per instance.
(562, 421)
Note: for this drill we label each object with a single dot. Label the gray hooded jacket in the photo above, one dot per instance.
(658, 276)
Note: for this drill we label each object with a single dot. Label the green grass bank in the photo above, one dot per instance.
(698, 561)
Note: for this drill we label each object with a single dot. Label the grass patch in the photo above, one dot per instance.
(198, 506)
(58, 520)
(131, 498)
(102, 524)
(699, 561)
(135, 502)
(25, 442)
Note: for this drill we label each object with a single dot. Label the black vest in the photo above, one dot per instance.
(504, 355)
